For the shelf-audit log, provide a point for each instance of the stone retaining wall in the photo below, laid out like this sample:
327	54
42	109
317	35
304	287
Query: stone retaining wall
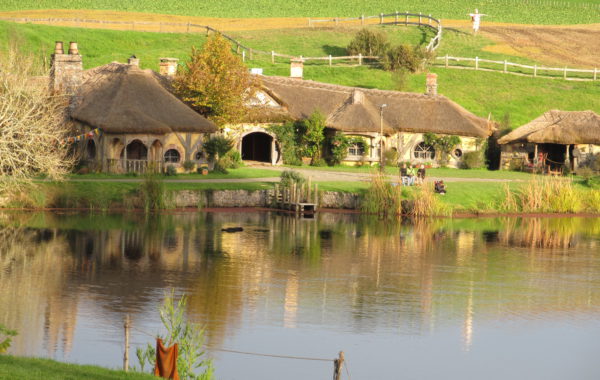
254	198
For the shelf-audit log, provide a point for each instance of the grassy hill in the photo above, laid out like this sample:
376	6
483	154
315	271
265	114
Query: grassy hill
516	11
523	98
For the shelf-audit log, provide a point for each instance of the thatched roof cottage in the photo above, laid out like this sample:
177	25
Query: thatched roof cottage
554	139
359	112
127	117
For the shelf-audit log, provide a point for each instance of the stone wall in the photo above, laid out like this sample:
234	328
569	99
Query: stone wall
255	198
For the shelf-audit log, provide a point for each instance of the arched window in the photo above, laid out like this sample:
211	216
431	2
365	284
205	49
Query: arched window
424	152
172	155
356	149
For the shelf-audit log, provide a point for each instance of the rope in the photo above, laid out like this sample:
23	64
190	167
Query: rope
270	355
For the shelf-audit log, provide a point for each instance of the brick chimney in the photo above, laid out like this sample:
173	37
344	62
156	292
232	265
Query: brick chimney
66	69
431	85
297	68
168	66
133	61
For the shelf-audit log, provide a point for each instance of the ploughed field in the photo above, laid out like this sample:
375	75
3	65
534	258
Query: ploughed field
515	11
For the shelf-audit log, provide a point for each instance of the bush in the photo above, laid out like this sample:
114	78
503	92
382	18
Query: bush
338	148
472	160
401	57
171	170
6	340
218	168
189	165
288	177
231	160
217	146
288	139
318	162
368	42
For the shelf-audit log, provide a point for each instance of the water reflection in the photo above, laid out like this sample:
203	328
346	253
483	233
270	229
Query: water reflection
346	275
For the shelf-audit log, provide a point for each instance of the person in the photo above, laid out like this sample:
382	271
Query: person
476	19
404	174
412	174
439	187
421	174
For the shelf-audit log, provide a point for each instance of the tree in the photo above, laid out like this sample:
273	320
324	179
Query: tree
368	42
312	135
215	82
33	127
402	57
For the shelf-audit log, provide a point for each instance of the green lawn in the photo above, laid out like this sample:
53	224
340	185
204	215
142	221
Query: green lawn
12	367
543	12
243	172
483	93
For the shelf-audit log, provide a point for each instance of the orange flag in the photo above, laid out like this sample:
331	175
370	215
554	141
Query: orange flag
166	361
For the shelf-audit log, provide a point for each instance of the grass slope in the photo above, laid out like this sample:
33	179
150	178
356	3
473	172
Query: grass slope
519	11
482	93
12	367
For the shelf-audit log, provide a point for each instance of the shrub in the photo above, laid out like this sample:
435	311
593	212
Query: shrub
288	139
472	160
6	339
368	42
288	177
312	136
189	165
217	146
231	160
171	170
218	168
338	148
401	57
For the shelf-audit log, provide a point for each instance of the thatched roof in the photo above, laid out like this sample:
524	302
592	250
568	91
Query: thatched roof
120	98
558	127
405	112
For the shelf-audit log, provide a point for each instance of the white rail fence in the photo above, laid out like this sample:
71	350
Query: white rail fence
518	69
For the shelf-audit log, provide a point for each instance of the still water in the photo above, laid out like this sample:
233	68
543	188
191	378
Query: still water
439	299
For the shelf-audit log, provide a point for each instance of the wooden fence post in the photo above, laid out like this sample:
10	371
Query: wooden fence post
420	18
362	20
505	66
476	63
337	366
565	73
429	20
446	60
309	22
595	73
360	59
126	353
272	56
243	55
381	18
406	19
330	62
534	71
396	18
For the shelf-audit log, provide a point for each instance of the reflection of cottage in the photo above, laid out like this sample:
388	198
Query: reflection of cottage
357	112
141	122
555	139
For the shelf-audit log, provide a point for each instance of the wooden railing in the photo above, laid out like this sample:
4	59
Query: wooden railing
518	69
135	166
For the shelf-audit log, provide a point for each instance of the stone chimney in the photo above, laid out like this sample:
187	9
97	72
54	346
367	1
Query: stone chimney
133	61
66	70
358	97
168	66
296	68
431	85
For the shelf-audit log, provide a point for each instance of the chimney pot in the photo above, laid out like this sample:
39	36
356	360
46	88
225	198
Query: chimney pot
73	48
168	66
431	84
133	61
296	68
357	97
58	47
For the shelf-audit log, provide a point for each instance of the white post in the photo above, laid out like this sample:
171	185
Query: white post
272	56
360	59
565	74
429	19
420	18
505	66
476	63
595	73
381	18
309	22
396	19
406	18
330	62
362	20
534	71
243	55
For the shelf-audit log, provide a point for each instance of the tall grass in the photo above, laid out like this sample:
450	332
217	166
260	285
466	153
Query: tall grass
153	193
382	198
427	203
550	195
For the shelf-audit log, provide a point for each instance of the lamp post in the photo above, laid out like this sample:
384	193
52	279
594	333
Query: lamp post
381	162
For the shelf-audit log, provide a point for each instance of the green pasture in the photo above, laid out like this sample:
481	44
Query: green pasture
483	93
516	11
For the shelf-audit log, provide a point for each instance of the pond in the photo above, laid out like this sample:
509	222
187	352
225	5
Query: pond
486	298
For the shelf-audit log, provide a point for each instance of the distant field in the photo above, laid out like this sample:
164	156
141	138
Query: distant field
482	93
515	11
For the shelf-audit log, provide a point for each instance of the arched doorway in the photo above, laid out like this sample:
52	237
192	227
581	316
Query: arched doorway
257	146
156	151
136	150
90	150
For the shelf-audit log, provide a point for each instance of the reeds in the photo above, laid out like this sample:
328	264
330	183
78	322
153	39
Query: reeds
427	203
550	195
382	197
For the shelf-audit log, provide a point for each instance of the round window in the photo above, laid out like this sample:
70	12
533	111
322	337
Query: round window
458	153
172	155
424	152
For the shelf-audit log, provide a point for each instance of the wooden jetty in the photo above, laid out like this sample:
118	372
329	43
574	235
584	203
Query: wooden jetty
301	199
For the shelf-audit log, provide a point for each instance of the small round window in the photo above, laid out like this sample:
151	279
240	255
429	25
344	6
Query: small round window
172	155
458	153
199	155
